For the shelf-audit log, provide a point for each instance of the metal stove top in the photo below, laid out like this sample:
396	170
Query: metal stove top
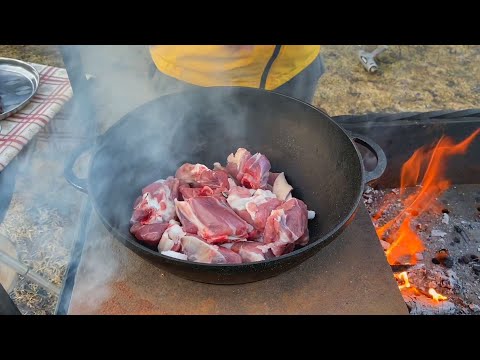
349	276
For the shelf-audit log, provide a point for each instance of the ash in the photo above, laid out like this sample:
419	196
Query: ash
450	263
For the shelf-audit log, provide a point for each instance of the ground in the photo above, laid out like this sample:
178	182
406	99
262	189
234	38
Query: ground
411	78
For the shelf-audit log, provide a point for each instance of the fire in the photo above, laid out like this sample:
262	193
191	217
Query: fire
404	277
436	296
405	243
405	246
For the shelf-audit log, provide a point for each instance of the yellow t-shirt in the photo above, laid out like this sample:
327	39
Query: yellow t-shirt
230	65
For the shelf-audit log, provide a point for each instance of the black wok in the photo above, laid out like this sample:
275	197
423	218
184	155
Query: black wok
205	125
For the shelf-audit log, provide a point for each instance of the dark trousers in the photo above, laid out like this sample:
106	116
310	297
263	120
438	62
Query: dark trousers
302	86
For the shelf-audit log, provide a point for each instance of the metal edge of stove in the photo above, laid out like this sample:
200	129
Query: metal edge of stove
7	186
66	292
399	135
30	73
444	116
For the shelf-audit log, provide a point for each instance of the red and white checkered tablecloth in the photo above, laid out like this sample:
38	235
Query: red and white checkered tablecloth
53	92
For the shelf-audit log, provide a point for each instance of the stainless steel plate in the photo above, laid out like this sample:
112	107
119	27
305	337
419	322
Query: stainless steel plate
18	83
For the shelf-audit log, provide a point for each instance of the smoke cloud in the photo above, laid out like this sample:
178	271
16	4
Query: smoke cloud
121	80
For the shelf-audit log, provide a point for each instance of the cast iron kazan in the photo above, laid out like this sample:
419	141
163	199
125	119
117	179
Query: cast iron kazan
205	125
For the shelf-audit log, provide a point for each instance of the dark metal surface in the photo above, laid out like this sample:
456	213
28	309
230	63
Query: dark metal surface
409	116
399	135
7	306
381	159
69	173
18	83
75	257
204	125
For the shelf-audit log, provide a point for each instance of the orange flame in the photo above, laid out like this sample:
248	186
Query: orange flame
436	296
405	243
407	286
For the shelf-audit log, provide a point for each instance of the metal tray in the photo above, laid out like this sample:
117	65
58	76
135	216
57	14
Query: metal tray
18	83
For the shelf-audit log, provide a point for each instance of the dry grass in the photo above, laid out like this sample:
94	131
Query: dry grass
41	54
410	78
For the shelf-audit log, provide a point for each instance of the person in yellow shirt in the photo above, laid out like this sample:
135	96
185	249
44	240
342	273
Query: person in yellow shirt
293	70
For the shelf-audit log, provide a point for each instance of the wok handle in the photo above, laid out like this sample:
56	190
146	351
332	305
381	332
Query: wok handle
68	173
377	151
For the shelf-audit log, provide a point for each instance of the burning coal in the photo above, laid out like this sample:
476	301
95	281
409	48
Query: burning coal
418	198
436	296
405	284
403	277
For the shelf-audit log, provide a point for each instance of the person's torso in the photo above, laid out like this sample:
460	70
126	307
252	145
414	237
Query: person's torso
220	65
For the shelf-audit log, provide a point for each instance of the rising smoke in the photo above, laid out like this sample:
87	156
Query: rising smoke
122	81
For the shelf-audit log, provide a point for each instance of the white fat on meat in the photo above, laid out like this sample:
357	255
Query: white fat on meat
311	214
231	183
174	254
254	206
235	162
259	197
249	256
218	166
160	202
159	214
284	235
238	197
190	173
171	237
239	157
198	250
234	241
249	251
281	188
239	201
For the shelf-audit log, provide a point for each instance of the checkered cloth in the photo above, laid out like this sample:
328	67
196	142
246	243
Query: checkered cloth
18	129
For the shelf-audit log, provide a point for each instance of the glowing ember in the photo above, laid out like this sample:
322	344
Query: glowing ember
405	284
404	277
405	243
436	296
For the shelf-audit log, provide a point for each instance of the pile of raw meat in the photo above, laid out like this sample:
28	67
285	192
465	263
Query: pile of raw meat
234	214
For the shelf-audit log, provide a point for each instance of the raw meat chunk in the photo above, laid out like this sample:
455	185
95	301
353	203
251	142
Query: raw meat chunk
285	226
171	237
157	202
198	250
250	251
254	206
199	176
251	171
211	219
149	234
